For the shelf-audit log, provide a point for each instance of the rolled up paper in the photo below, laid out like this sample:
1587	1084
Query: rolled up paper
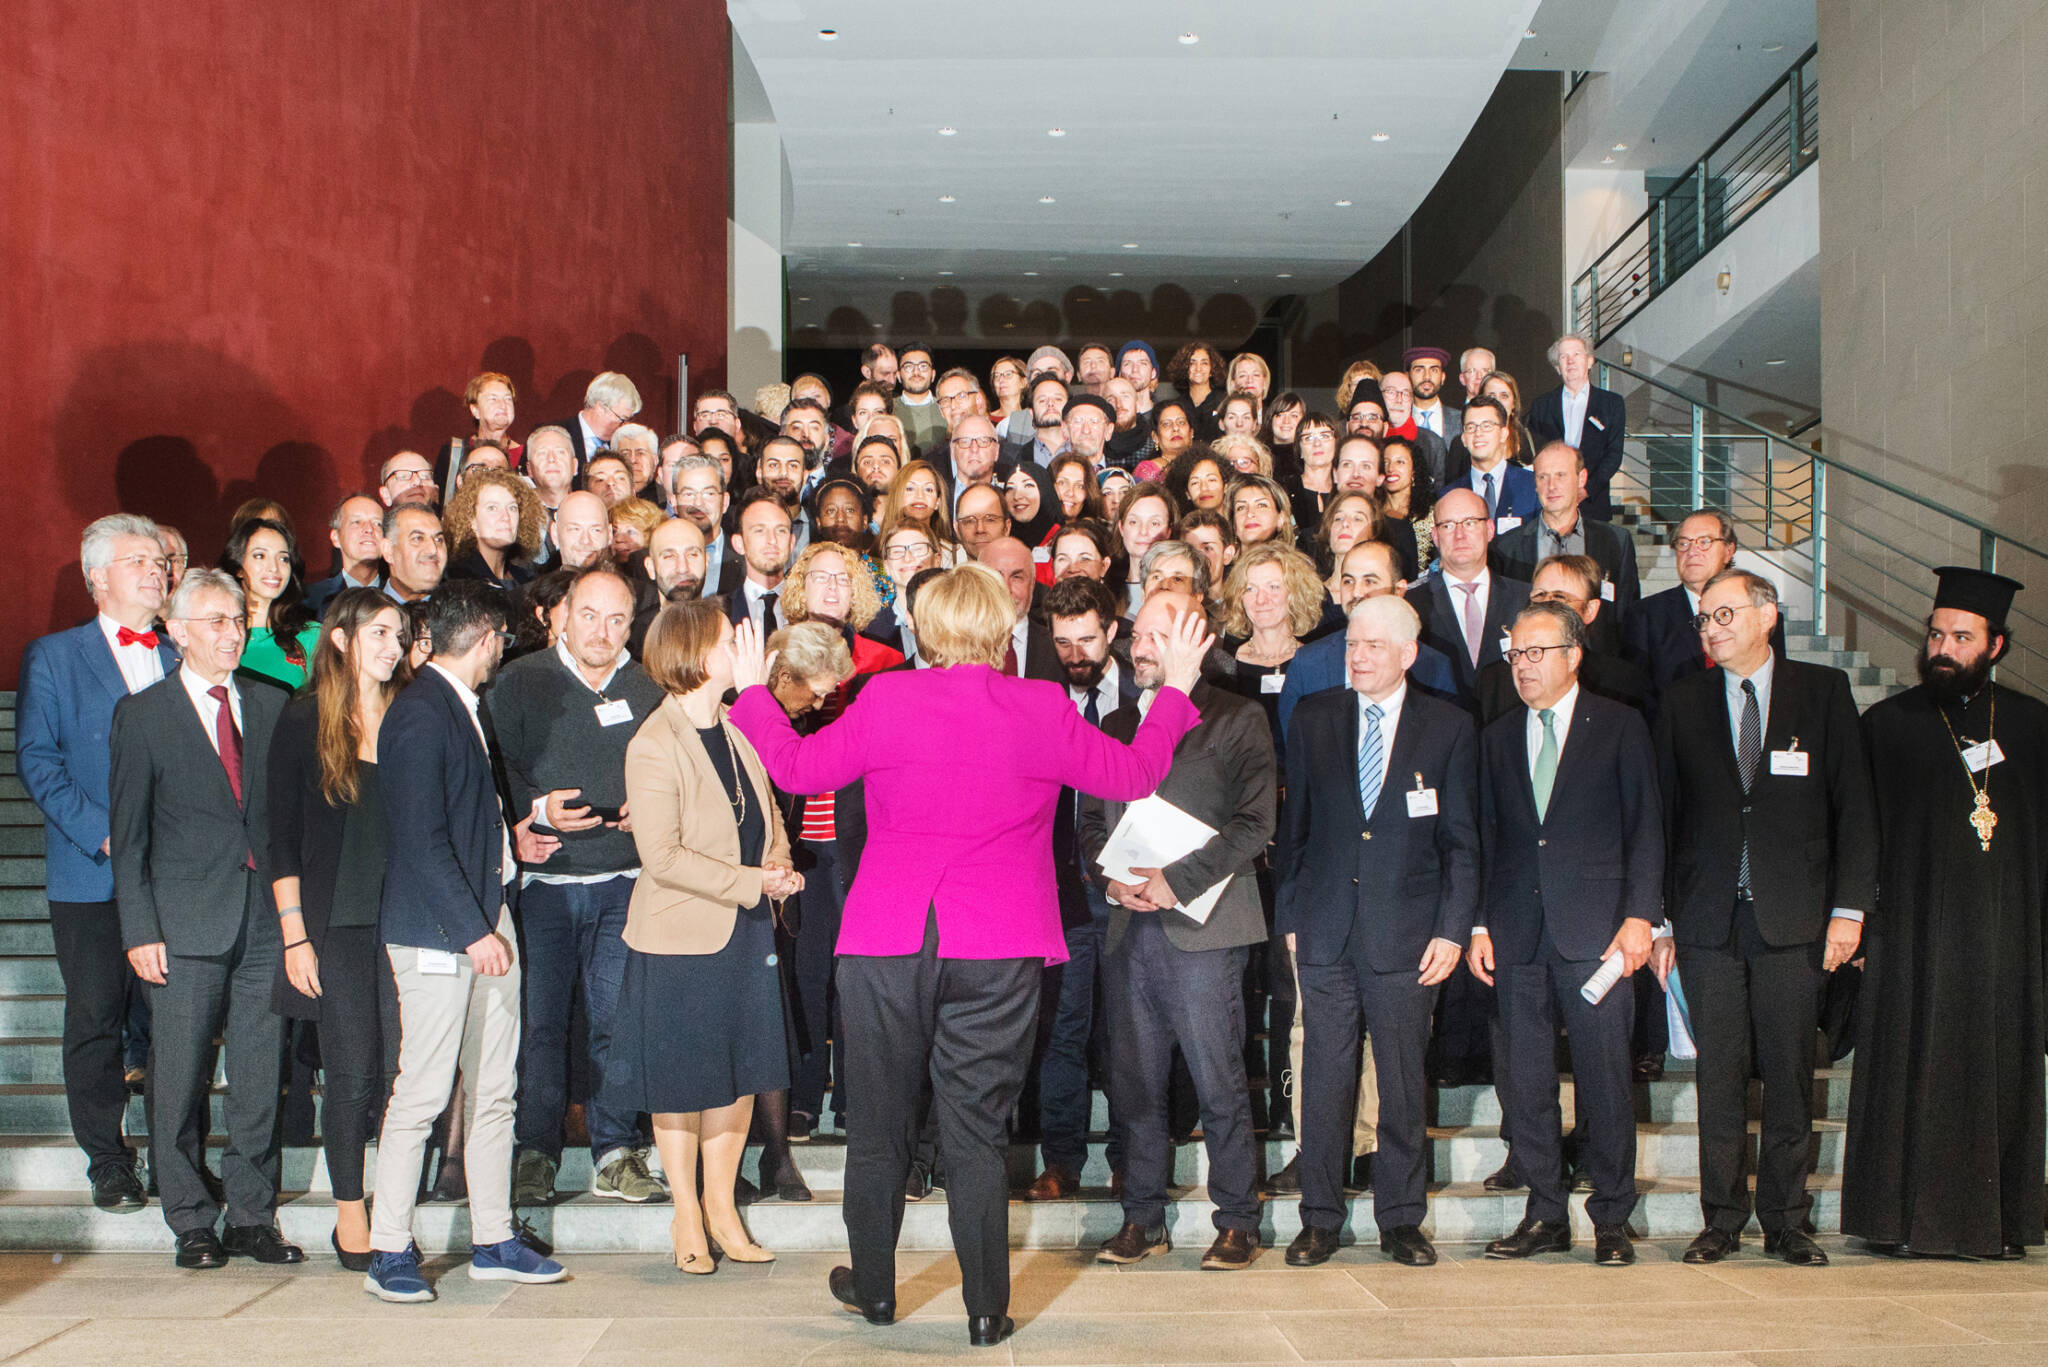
1597	986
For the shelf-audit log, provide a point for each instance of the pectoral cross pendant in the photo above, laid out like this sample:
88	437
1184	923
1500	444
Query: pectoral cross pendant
1983	820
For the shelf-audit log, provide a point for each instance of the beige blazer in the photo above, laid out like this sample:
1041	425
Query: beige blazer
691	883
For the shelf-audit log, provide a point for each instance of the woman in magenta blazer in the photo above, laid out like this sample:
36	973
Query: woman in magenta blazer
953	914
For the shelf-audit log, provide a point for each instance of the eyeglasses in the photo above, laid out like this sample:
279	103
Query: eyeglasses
1462	524
408	476
1483	425
974	443
909	366
982	520
224	623
1693	543
1533	654
908	550
146	562
1721	616
825	578
508	639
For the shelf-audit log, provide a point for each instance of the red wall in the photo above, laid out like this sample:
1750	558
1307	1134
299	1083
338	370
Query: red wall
259	246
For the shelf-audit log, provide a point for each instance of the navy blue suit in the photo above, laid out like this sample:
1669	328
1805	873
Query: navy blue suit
1600	443
1558	887
1320	665
1443	627
1514	492
1659	636
444	821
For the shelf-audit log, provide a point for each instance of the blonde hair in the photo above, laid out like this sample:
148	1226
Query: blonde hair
638	513
770	400
1262	455
1265	371
1305	589
1347	386
810	650
964	617
862	605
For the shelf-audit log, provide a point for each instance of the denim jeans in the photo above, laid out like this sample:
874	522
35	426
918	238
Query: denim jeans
1072	1018
570	934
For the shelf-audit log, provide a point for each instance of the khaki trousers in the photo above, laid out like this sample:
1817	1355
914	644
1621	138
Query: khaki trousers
1365	1121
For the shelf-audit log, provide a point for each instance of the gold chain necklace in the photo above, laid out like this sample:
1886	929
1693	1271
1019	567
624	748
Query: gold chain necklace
1982	819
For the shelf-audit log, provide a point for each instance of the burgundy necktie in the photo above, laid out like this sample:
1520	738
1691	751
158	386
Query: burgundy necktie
1010	659
230	737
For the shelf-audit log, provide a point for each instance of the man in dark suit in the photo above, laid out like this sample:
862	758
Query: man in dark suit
1031	653
1590	420
1659	635
1081	620
1176	978
1561	529
609	400
355	530
1508	490
447	925
1376	924
189	759
1574	840
1773	824
1575	581
1369	569
762	550
1464	607
70	684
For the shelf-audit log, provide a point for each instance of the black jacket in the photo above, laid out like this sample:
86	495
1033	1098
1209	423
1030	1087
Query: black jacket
1517	553
444	821
1600	443
1443	628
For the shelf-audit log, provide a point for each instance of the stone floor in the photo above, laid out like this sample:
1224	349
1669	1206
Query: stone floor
128	1309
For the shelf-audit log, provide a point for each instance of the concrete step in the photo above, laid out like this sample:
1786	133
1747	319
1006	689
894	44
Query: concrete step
25	904
32	1014
1670	1101
10	787
19	811
29	974
21	840
21	870
26	937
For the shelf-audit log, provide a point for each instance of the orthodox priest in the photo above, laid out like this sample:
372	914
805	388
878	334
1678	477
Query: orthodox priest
1946	1129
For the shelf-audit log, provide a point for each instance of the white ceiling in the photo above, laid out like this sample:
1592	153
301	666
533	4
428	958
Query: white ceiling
1222	160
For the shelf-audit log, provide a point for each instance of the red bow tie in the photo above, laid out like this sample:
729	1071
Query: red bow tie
128	637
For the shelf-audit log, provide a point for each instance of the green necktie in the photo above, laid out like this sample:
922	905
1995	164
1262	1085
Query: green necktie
1546	763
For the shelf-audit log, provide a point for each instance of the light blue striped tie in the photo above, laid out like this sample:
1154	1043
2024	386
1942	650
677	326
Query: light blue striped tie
1369	765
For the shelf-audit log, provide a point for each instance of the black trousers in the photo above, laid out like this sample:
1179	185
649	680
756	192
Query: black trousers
228	995
358	1049
1337	1000
1534	998
1160	996
1747	996
94	966
965	1026
819	908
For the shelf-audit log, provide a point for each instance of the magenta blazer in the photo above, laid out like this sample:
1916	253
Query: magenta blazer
964	768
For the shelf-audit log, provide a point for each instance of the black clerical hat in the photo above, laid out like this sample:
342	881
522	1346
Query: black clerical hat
1980	591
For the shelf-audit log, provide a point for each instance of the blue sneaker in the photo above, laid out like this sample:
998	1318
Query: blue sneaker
512	1261
396	1277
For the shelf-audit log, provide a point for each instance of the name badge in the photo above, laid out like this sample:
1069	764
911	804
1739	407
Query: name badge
1982	757
1272	683
1041	555
1421	801
1596	422
1791	762
1506	524
1607	589
439	963
613	712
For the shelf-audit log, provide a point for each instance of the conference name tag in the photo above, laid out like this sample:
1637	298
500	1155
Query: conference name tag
1041	555
1607	589
1421	802
1505	524
613	712
1792	762
1596	422
438	963
1982	757
1273	683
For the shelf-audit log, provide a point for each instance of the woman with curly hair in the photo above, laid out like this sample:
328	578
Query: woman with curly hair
1272	599
1196	370
1408	496
1200	479
1173	434
919	491
633	523
263	556
494	526
1243	454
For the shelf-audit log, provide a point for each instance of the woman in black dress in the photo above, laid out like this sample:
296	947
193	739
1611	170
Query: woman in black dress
327	851
700	1026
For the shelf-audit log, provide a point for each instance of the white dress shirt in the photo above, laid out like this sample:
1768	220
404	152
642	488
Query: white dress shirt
1431	418
1560	725
592	443
1482	599
1476	482
754	592
1390	718
1761	681
1020	640
1107	692
1575	414
509	868
209	709
140	665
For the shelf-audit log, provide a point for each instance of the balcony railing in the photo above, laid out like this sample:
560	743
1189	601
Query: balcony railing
1763	152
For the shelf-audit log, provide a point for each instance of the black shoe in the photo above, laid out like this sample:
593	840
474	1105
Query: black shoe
1578	1179
1408	1244
1711	1245
1531	1237
212	1182
1361	1176
2012	1252
200	1249
1796	1247
1885	1248
115	1187
875	1312
1507	1177
918	1184
1133	1243
1287	1181
1612	1246
744	1193
986	1331
1312	1247
1650	1068
353	1262
263	1243
790	1186
1233	1251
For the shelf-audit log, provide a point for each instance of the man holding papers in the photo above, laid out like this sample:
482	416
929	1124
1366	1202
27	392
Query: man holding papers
1773	863
1379	879
1180	928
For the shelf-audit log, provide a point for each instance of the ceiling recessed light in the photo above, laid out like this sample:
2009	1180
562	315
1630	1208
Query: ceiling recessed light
948	131
1607	161
1129	246
1621	147
1284	275
945	199
1055	132
1047	199
1190	39
1115	275
1528	33
945	272
803	298
1773	47
1343	203
853	244
1031	272
1381	137
829	34
1774	360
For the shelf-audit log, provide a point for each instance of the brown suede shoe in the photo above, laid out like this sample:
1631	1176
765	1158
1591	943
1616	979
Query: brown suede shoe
1054	1184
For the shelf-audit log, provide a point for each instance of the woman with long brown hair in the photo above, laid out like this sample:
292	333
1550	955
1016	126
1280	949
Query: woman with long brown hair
919	491
327	855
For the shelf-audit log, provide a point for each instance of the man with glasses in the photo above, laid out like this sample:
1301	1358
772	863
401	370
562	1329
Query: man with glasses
1397	394
610	400
980	518
1465	607
916	407
716	409
1659	635
1508	490
177	555
1573	888
1562	529
972	452
70	683
1474	365
701	499
1590	420
408	477
190	836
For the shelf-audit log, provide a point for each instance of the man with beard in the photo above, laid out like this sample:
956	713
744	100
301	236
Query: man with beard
805	422
763	544
1089	421
1397	394
1946	1128
878	367
782	467
701	499
1426	366
1083	619
1048	408
917	407
675	562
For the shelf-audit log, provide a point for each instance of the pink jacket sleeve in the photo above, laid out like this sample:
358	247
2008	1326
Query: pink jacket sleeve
1095	764
822	762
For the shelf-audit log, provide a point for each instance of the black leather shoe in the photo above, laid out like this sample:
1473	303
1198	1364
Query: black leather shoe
1711	1245
2012	1251
1531	1237
1361	1176
1650	1068
1884	1248
1612	1246
352	1262
917	1183
1507	1177
200	1249
986	1331
1407	1244
1312	1247
1233	1251
263	1243
1287	1181
1796	1247
874	1312
117	1188
1133	1243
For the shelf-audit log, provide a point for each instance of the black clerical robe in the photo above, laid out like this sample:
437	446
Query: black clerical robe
1946	1122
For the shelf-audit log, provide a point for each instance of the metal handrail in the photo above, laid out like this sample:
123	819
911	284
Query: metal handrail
1610	292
